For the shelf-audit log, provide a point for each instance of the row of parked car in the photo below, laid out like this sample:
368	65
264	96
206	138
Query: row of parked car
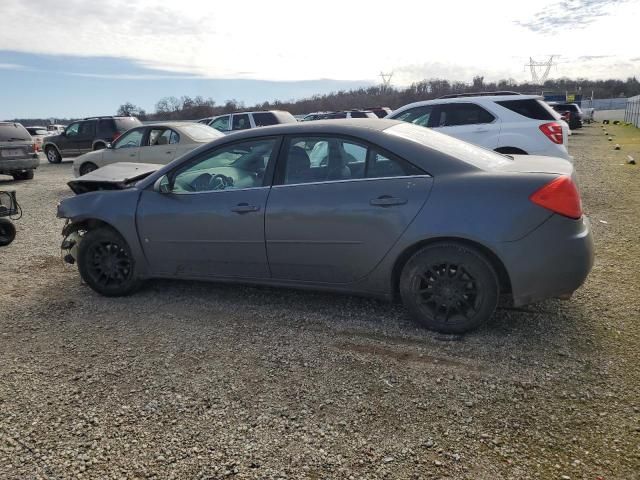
506	122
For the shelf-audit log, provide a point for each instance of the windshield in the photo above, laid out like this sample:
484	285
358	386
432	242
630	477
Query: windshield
201	133
476	156
13	132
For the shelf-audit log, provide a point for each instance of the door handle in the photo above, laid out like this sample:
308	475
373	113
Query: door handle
387	201
481	129
132	154
245	208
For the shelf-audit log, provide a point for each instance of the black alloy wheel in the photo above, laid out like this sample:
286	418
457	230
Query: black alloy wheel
449	288
106	264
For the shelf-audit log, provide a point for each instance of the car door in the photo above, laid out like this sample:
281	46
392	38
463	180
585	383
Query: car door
467	121
159	146
206	217
66	142
82	142
334	220
126	148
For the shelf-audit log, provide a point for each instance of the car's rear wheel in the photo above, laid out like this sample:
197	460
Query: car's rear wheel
106	264
53	156
99	146
7	232
449	288
26	175
87	167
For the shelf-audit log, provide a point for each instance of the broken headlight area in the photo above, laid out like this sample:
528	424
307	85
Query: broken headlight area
72	234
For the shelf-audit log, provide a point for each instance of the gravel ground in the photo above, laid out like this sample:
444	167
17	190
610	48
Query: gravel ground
193	380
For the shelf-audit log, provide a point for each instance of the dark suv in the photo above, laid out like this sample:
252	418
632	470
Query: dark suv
575	113
18	156
86	135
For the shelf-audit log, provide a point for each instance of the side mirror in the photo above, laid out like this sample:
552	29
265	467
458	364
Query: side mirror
162	185
63	133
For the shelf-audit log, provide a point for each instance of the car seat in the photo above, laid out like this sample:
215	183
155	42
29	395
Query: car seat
298	165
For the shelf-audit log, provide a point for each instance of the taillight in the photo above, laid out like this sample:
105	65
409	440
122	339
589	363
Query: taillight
560	196
115	136
553	131
34	148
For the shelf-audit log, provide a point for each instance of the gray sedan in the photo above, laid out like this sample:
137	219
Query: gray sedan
392	210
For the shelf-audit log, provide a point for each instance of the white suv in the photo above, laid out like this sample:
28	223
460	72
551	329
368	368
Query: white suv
506	122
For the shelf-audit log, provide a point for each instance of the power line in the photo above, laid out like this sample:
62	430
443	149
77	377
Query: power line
537	78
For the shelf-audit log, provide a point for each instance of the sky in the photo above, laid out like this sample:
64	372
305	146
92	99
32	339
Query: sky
78	58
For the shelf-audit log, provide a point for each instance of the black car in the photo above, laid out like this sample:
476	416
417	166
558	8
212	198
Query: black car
575	113
86	135
380	112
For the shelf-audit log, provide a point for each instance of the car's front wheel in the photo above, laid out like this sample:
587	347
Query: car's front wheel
87	167
105	262
449	288
52	155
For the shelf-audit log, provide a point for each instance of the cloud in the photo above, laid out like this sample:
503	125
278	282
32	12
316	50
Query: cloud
12	66
593	57
570	14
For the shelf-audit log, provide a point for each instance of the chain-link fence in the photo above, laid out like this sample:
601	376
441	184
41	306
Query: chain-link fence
632	111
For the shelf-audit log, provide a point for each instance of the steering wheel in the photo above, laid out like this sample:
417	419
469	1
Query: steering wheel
220	182
201	182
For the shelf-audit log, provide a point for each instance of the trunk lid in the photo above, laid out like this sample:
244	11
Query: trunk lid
537	164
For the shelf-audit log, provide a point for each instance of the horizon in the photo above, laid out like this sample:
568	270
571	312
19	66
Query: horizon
92	60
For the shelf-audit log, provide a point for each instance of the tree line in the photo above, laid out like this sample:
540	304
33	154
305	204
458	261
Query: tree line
192	108
187	108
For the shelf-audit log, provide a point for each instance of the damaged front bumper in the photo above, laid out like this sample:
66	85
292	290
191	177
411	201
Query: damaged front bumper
72	236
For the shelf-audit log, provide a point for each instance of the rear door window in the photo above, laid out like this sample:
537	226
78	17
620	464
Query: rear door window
456	114
87	129
530	108
240	122
263	119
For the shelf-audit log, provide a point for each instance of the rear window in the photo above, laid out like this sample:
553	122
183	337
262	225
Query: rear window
264	119
125	123
569	107
13	132
36	131
476	156
201	133
530	108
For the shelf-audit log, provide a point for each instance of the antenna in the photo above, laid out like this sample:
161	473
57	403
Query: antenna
536	78
386	79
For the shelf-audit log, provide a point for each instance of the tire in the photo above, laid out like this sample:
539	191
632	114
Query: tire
449	288
99	146
106	264
7	232
27	175
53	156
87	167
